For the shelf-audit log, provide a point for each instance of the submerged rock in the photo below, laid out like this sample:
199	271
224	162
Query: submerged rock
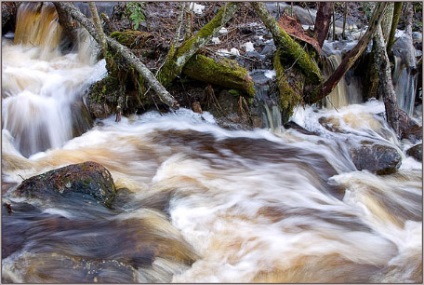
416	152
376	158
89	179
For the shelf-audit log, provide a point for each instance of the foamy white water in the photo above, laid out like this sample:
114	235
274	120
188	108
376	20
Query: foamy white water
196	202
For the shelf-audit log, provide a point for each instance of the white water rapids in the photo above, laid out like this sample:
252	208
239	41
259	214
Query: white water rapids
204	204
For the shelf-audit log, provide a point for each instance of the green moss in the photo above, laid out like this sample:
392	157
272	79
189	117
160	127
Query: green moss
226	73
177	59
130	38
289	98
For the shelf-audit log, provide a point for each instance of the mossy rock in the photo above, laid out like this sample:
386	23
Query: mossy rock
87	181
103	97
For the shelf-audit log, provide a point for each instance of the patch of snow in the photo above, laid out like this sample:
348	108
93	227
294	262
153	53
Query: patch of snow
399	33
235	51
197	8
223	31
215	40
225	52
248	46
270	74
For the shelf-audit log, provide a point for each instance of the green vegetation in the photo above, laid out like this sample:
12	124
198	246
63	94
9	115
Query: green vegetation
135	13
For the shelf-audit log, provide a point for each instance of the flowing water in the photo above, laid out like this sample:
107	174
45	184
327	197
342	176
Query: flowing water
198	203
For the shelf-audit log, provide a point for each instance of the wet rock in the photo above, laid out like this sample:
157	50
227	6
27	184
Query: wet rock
416	152
413	132
89	179
81	118
376	158
8	16
293	125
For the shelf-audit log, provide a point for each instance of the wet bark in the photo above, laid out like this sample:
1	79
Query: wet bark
126	53
322	22
179	56
314	94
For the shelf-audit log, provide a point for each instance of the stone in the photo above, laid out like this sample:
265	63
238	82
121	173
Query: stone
89	179
416	152
376	158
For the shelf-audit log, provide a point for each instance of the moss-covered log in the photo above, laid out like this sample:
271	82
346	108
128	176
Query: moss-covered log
290	48
289	98
131	39
179	56
226	73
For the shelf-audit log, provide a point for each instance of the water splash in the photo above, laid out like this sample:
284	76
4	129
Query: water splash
41	87
244	199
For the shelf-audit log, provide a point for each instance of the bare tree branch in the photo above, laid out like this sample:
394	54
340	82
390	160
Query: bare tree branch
126	53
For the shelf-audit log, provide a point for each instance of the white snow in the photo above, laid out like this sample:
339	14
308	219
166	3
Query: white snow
270	74
248	46
215	40
223	31
225	52
197	8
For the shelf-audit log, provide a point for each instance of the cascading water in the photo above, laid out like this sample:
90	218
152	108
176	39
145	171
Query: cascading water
198	203
404	79
41	87
344	93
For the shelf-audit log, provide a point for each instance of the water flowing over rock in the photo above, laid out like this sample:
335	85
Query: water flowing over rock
85	179
377	158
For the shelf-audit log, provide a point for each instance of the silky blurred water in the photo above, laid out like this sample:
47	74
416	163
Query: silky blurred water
196	202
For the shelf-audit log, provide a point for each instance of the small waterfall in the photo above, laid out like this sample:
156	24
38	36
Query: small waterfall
37	25
42	88
404	76
338	97
346	92
271	113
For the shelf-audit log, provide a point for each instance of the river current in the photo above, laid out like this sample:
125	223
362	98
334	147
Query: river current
196	202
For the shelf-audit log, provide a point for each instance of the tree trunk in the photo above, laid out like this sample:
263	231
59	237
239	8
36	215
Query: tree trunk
290	48
322	22
178	57
396	15
386	22
126	53
396	117
344	20
313	94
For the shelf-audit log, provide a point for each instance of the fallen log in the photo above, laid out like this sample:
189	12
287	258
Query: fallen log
123	51
225	73
178	56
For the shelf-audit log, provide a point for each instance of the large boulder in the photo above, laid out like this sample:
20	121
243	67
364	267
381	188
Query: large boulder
377	158
88	180
416	152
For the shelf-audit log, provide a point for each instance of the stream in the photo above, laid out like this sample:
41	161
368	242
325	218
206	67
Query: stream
198	203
